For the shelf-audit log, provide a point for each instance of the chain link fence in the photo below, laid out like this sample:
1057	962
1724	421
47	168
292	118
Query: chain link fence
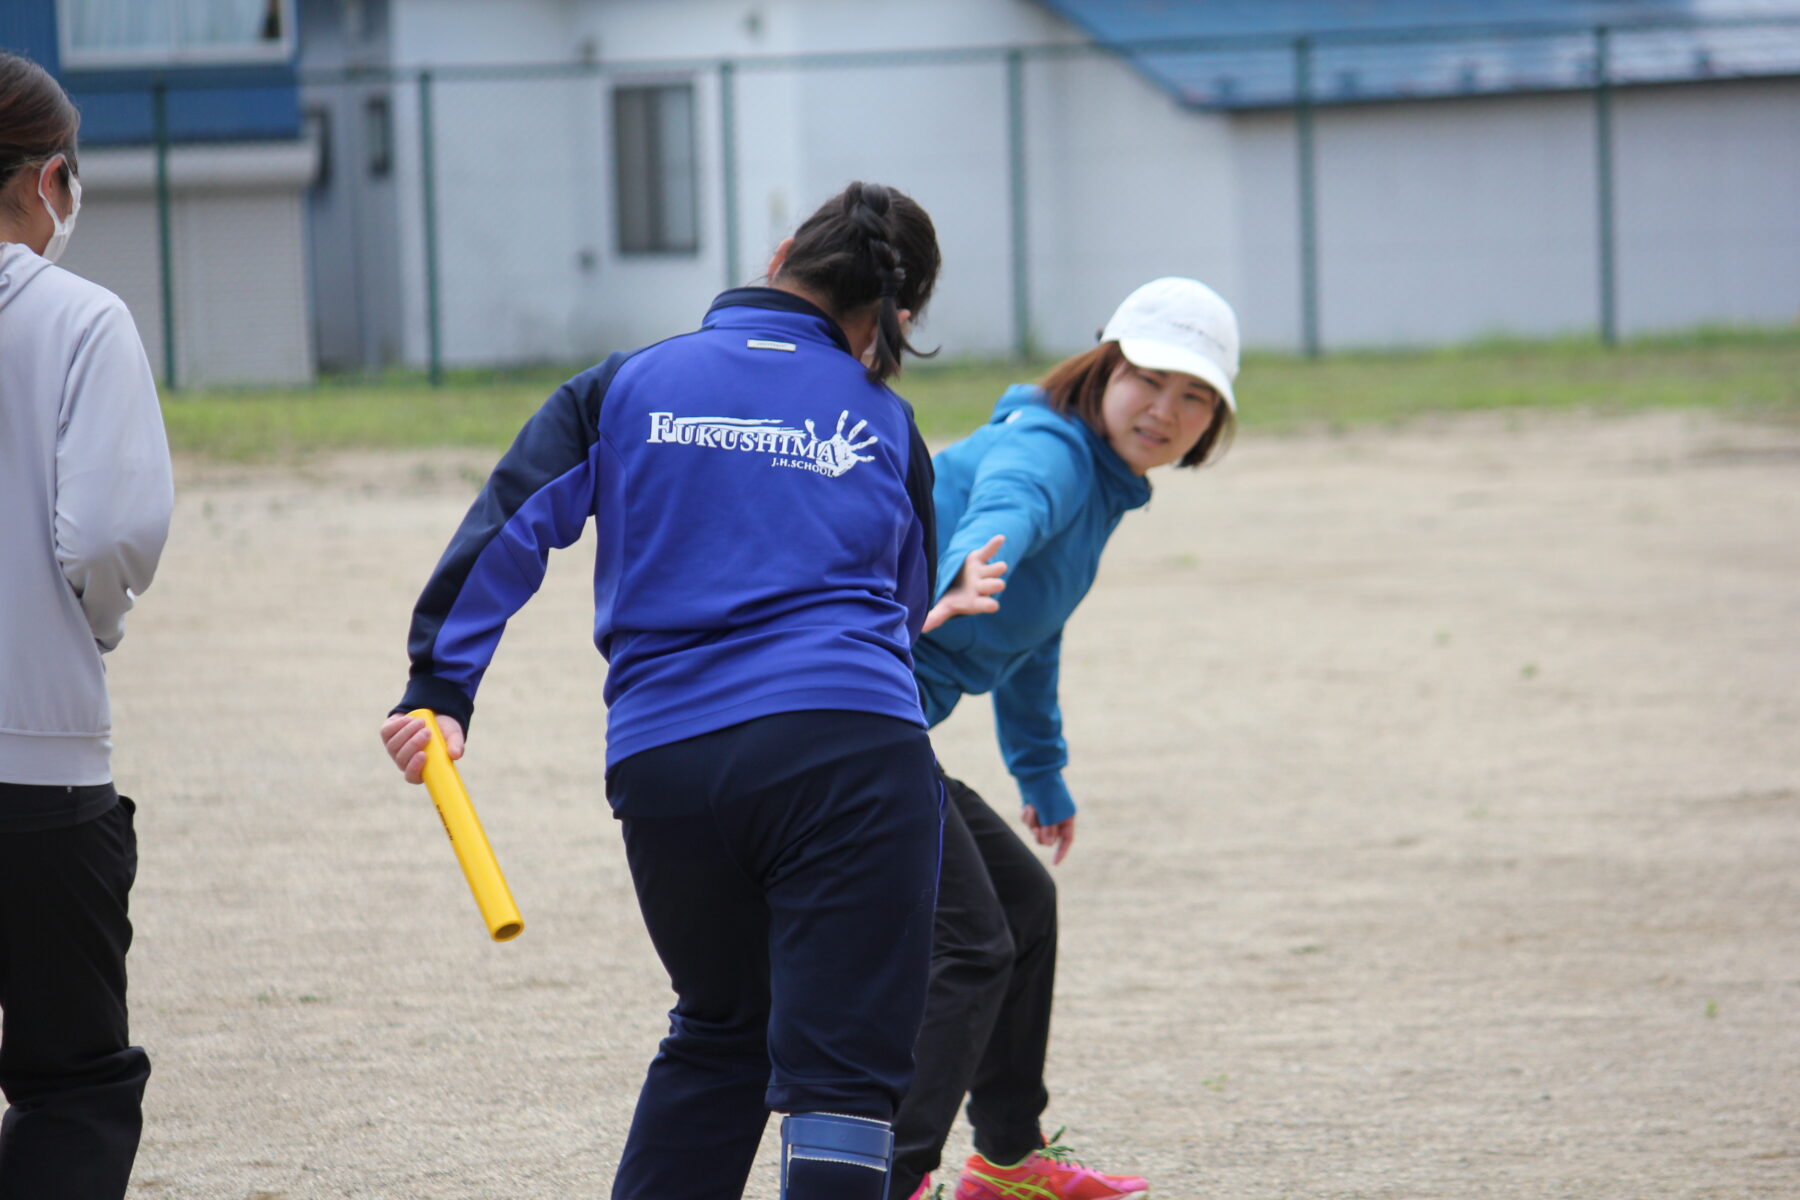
1414	186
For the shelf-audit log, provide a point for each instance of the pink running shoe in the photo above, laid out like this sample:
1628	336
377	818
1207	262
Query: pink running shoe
1049	1174
924	1189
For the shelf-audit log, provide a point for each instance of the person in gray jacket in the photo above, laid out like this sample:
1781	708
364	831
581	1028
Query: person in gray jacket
85	500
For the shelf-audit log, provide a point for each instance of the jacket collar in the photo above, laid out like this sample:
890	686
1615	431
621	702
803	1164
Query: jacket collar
775	300
1122	490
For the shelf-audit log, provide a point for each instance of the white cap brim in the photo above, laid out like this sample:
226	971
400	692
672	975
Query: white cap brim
1161	356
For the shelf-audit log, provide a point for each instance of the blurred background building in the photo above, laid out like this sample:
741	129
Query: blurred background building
212	228
355	184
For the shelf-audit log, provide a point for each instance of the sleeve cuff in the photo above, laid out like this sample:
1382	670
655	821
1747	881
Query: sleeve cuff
1049	797
440	696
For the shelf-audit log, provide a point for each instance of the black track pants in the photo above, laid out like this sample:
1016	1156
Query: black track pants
73	1084
987	1014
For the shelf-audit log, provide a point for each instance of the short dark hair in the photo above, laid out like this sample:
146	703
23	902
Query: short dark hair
1078	385
37	119
866	244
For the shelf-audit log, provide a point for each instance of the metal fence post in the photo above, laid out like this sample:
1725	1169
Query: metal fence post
728	166
1021	241
1603	177
159	107
1309	201
428	199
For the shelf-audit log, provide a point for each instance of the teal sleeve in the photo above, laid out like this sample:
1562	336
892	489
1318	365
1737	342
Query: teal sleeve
1029	722
1027	489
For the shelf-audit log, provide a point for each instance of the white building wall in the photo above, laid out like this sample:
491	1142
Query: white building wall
116	245
529	262
1449	220
937	133
772	196
1708	187
353	226
643	298
236	227
1267	195
1125	187
509	221
1438	221
240	288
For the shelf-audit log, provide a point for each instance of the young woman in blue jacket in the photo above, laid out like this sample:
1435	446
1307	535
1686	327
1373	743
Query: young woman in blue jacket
1044	483
762	504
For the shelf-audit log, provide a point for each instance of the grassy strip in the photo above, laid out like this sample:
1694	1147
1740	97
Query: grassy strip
1757	374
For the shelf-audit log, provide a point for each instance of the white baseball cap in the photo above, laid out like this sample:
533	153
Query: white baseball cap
1177	324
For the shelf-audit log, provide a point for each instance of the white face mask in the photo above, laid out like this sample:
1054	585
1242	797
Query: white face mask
64	225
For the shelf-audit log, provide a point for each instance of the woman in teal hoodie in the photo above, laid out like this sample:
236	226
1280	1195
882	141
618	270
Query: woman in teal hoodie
1044	484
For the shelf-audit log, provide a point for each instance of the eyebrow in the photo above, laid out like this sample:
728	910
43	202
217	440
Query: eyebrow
1200	387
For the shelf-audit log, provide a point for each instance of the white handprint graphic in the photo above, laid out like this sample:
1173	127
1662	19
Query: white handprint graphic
838	454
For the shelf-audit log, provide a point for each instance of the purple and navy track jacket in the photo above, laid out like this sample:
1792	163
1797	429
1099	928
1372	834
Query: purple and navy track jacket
765	525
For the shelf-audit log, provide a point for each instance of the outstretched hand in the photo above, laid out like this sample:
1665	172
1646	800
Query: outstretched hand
405	739
1061	835
977	583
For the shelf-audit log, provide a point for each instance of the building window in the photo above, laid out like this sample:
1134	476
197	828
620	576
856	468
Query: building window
654	171
378	134
108	33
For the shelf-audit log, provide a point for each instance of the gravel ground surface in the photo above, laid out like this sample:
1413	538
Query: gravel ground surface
1441	814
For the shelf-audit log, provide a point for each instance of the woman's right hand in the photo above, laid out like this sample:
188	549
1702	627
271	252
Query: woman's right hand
975	588
1061	835
405	739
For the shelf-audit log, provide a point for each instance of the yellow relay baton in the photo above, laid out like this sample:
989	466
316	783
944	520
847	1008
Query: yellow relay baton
472	850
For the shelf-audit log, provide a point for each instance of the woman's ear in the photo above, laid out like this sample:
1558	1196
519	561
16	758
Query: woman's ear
54	185
779	260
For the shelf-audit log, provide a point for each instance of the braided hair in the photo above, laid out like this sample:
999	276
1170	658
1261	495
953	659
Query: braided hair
869	244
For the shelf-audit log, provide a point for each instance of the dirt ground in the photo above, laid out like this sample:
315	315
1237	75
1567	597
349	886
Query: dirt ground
1440	835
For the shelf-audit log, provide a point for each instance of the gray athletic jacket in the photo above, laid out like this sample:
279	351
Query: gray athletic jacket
85	499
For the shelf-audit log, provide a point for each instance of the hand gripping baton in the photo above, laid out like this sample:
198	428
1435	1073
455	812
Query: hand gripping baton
472	850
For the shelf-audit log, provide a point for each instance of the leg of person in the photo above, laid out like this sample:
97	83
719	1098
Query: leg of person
715	826
74	1085
1007	1095
848	854
971	962
700	1114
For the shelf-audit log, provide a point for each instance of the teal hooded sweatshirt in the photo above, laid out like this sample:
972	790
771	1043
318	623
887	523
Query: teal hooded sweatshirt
1056	491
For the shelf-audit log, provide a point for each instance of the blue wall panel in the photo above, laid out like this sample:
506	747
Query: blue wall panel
28	27
206	104
242	104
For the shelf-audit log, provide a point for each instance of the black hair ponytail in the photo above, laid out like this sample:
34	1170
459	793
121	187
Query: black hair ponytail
870	244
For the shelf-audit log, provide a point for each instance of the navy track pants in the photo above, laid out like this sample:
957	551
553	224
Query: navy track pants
787	871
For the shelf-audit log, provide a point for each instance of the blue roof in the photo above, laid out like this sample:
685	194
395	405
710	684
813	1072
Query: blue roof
1241	53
